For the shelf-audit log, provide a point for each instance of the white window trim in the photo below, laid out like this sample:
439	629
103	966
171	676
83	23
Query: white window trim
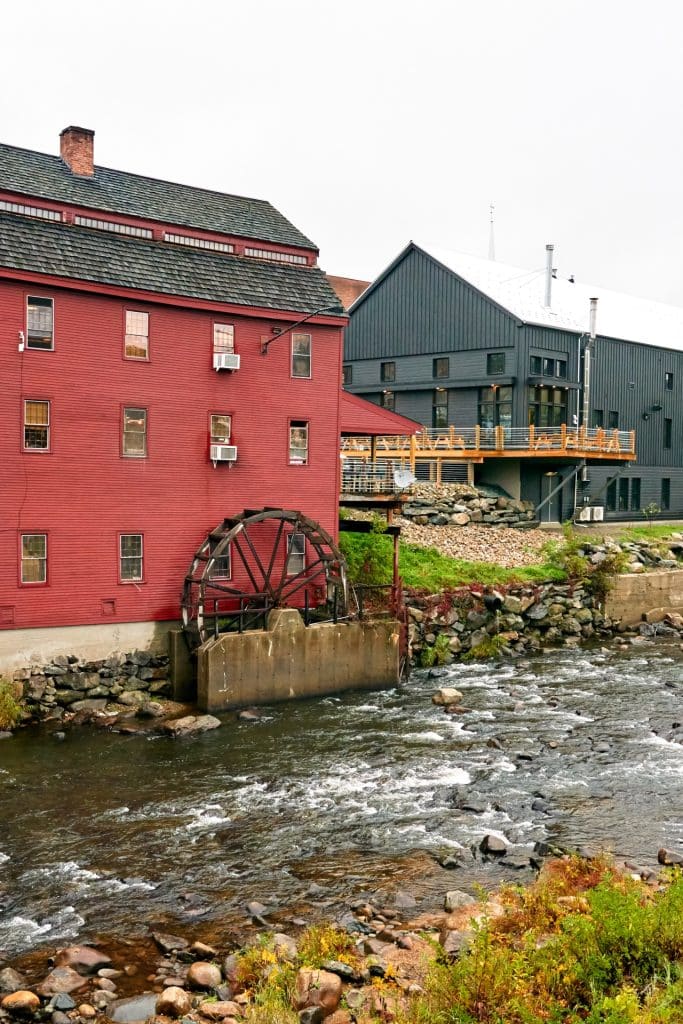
33	583
295	554
297	425
133	455
48	425
141	556
126	335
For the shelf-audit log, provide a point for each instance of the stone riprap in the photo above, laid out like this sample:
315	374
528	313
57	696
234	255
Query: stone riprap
529	618
460	505
69	684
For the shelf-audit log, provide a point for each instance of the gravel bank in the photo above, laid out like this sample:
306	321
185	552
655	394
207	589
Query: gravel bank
507	547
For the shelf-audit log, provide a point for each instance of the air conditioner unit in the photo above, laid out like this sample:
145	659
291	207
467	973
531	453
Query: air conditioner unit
598	513
223	453
226	361
584	515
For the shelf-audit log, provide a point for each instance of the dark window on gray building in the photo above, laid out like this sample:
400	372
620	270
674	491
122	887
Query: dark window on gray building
669	381
388	400
598	418
612	497
667	433
440	408
635	493
347	374
387	371
495	407
441	367
547	407
495	363
561	369
536	365
665	500
612	419
623	494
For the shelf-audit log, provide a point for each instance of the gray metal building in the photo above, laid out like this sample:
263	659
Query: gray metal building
448	339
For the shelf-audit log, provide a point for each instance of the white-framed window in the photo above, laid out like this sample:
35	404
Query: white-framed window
296	553
298	442
130	557
220	428
36	425
222	566
277	257
134	435
34	558
301	355
137	335
39	323
223	338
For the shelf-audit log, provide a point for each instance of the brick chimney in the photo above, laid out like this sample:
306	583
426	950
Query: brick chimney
76	148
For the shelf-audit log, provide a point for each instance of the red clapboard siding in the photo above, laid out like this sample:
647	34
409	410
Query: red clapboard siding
83	493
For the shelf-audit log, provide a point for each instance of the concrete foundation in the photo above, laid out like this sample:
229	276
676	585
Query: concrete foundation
21	647
289	660
638	593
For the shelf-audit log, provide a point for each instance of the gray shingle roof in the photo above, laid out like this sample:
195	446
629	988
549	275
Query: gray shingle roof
64	251
39	174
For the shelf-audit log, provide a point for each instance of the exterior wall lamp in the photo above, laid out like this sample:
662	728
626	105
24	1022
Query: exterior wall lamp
279	332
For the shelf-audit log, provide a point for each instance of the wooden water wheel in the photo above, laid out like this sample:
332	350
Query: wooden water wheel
260	560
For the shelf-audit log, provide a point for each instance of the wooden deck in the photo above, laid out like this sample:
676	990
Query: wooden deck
475	444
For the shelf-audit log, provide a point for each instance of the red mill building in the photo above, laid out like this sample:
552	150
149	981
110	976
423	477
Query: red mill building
169	356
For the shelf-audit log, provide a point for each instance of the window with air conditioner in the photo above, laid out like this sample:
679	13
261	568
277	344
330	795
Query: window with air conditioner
220	432
224	355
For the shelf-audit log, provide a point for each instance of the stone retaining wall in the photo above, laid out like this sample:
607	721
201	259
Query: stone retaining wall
529	618
68	683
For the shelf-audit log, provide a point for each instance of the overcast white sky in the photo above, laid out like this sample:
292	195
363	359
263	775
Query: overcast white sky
371	123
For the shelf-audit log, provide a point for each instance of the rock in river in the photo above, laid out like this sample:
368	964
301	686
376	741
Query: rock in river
190	725
203	975
21	1003
174	1002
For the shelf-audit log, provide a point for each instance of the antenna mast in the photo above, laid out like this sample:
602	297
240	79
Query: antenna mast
492	244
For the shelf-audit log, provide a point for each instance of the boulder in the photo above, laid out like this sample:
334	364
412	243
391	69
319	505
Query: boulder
61	979
11	980
168	943
219	1010
203	975
493	845
455	898
190	725
669	858
83	959
174	1002
446	695
21	1003
317	989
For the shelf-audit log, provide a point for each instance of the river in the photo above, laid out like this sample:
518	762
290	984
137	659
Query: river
323	801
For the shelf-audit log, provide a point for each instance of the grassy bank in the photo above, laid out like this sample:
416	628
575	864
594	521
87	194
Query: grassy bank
583	945
369	560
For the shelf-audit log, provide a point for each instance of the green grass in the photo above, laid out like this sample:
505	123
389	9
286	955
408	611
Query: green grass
648	533
428	569
10	709
369	561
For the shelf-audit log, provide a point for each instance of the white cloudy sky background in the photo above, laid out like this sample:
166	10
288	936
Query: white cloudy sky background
369	124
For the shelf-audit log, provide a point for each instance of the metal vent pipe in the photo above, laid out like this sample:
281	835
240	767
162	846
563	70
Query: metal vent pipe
548	273
587	356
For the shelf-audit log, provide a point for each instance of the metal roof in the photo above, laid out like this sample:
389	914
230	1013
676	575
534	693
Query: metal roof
361	418
521	292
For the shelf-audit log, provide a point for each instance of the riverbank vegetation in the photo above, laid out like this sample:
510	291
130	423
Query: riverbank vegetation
583	945
10	709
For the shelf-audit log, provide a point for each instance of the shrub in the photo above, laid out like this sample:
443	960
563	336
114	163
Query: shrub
10	709
490	647
436	655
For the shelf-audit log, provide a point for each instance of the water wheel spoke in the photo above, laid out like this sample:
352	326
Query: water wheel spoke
252	548
236	544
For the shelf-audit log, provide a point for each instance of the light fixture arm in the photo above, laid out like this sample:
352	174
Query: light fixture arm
324	309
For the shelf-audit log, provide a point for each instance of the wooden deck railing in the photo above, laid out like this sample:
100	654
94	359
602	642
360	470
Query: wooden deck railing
475	444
